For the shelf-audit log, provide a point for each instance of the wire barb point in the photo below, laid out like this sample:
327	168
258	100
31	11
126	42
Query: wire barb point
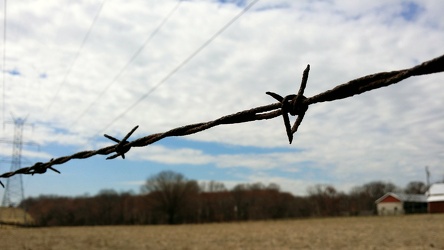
293	105
122	146
41	168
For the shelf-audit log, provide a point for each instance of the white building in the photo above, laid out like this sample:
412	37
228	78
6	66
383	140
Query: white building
398	203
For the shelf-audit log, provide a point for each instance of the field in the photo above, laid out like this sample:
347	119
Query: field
397	232
11	215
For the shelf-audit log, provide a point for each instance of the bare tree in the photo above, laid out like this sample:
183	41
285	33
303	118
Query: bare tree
376	189
415	187
212	186
364	197
325	199
171	194
273	186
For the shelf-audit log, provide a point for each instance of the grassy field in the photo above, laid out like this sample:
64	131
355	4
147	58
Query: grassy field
11	215
398	232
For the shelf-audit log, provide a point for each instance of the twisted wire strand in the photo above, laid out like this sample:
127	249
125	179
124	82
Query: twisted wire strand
351	88
378	80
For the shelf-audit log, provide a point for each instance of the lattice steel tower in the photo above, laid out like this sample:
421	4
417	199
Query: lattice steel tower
14	193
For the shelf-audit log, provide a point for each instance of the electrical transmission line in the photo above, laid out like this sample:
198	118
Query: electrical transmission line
138	51
77	55
183	63
4	60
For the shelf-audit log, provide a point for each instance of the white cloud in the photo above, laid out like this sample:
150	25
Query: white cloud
178	156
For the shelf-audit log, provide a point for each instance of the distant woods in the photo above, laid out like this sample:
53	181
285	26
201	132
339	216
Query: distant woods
170	198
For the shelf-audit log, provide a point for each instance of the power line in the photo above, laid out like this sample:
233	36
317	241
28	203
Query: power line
138	51
4	60
77	55
183	63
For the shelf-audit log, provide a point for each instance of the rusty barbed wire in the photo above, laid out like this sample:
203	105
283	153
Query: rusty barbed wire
293	104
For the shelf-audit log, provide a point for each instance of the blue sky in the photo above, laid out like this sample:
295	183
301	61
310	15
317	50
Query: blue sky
390	134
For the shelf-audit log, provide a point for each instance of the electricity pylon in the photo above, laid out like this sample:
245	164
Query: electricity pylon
14	192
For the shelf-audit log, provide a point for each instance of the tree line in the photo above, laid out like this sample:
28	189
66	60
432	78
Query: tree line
170	198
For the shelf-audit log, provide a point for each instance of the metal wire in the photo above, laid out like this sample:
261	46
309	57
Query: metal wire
183	63
77	55
4	60
293	104
131	60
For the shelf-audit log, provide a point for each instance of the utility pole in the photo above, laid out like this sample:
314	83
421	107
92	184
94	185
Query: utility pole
427	176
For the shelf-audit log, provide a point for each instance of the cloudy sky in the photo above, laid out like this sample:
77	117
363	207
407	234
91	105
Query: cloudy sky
79	69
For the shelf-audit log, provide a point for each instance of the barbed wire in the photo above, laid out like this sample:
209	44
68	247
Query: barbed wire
293	104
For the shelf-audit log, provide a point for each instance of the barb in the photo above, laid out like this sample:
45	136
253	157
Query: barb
291	104
122	146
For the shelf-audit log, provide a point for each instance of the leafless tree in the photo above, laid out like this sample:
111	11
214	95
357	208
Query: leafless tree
364	196
212	186
415	187
171	194
325	199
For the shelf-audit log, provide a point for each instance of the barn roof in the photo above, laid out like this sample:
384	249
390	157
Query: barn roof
436	192
436	189
404	197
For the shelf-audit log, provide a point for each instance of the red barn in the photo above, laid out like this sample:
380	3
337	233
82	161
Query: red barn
435	198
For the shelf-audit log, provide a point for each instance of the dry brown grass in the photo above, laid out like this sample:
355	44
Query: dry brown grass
400	232
11	215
